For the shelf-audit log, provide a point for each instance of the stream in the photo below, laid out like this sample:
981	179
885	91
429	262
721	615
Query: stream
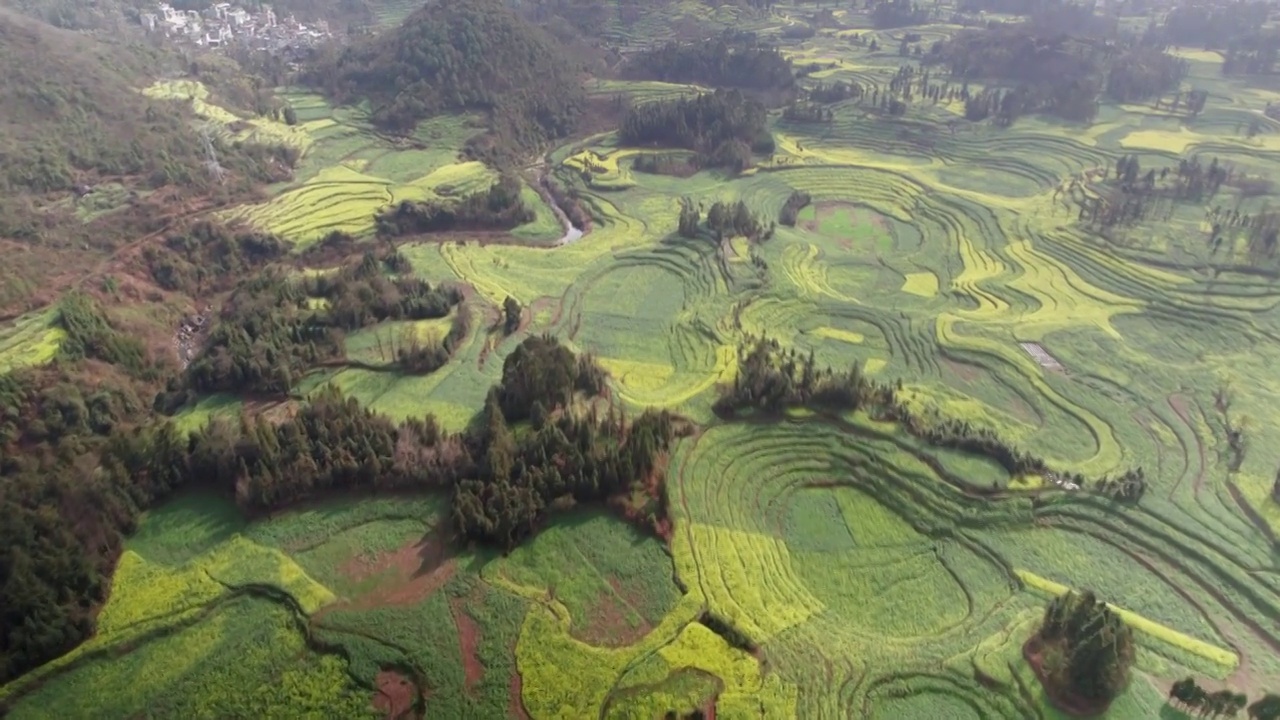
571	232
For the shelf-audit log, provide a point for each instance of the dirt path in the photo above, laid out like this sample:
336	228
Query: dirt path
469	645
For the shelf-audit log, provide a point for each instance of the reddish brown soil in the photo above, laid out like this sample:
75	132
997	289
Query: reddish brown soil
469	642
412	573
1059	697
394	695
607	623
516	709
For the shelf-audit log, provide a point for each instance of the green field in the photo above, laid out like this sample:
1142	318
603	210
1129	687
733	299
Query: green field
867	568
349	172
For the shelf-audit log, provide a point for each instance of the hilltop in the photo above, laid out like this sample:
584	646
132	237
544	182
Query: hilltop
457	56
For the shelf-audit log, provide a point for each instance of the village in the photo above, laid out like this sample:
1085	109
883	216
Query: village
225	24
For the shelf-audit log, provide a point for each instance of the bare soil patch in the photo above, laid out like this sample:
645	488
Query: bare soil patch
410	574
516	709
394	695
469	642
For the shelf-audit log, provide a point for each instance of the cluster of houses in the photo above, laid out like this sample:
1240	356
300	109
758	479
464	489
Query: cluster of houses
224	24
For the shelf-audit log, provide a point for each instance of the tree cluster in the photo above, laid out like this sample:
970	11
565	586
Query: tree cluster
80	461
734	60
1188	693
796	201
542	370
808	112
90	334
1051	72
1238	28
207	257
577	456
726	219
1134	195
690	223
666	164
271	331
1086	649
500	207
1140	73
458	55
725	128
889	14
838	91
770	380
64	513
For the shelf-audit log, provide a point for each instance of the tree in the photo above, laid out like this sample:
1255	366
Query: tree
1265	708
290	115
1093	648
1181	690
511	310
690	218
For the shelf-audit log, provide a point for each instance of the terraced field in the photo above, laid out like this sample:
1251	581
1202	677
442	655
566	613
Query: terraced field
349	172
874	576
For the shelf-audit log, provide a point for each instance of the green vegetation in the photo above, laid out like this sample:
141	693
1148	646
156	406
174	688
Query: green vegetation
272	332
728	62
89	164
456	56
724	128
501	207
1082	652
781	389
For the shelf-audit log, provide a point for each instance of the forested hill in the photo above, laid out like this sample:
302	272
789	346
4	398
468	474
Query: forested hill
83	151
71	106
461	55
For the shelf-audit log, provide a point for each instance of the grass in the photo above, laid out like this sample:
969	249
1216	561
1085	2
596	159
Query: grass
861	562
595	566
32	339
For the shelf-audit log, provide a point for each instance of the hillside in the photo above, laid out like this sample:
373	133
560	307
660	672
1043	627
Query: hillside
72	112
83	150
461	55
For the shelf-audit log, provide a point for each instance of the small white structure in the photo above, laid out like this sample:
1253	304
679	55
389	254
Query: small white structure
1042	356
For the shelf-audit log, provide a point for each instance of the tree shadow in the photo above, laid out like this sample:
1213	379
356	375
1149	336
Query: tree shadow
1169	712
